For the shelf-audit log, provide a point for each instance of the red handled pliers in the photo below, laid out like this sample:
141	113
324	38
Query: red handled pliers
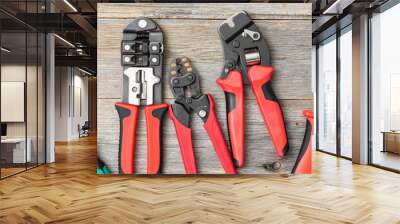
247	61
142	55
184	79
303	162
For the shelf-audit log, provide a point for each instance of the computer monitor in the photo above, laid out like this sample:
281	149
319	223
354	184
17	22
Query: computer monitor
3	129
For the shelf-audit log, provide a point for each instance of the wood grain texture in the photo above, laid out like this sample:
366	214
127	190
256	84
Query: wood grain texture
259	149
289	42
192	33
204	11
69	191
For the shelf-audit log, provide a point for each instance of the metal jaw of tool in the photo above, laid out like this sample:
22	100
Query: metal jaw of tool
185	86
243	45
142	55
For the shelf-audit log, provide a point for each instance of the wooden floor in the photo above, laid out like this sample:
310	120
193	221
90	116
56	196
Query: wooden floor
5	172
69	191
9	171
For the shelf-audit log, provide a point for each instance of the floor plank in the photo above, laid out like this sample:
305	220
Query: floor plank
69	191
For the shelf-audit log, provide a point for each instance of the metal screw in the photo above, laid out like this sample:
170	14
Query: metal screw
256	36
202	113
127	59
127	47
154	60
154	48
142	23
252	34
275	166
134	89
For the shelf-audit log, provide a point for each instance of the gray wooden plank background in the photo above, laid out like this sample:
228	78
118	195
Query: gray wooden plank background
191	30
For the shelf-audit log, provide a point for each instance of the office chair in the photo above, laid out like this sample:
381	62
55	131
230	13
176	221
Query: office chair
84	130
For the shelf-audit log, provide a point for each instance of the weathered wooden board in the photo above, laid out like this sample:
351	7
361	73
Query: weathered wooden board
190	30
207	11
259	148
201	43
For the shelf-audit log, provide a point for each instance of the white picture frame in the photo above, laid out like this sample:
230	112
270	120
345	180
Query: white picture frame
12	101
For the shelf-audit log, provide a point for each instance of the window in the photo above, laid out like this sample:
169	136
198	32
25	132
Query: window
385	89
346	95
327	95
334	103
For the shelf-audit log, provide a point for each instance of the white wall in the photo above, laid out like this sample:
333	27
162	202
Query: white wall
80	110
69	112
15	73
62	81
33	126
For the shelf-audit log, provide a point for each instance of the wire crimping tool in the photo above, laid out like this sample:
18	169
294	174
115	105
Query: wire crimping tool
247	61
303	162
141	55
185	80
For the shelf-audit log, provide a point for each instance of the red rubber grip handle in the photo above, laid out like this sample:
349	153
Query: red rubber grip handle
154	115
128	115
216	135
303	164
260	77
234	94
184	135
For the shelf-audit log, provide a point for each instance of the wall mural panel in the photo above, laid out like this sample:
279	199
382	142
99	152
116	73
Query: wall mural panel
159	64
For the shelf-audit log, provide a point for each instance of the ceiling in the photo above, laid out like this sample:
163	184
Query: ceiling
332	15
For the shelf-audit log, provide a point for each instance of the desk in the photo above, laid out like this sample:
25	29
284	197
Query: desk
16	147
391	141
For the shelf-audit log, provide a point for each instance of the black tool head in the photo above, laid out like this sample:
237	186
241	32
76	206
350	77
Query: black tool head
183	79
142	24
243	44
142	60
185	86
